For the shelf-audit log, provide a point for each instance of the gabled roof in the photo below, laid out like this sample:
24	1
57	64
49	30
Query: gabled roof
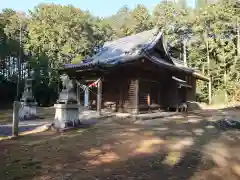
131	48
129	45
121	50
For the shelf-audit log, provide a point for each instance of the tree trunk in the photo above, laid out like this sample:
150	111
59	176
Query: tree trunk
209	74
185	52
238	38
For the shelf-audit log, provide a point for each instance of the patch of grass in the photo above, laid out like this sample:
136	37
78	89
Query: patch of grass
44	113
5	117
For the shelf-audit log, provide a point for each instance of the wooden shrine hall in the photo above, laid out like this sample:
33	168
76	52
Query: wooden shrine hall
134	74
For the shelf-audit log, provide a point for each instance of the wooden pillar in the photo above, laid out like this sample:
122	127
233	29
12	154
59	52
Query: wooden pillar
148	99
78	96
178	96
191	95
99	97
78	84
121	99
137	95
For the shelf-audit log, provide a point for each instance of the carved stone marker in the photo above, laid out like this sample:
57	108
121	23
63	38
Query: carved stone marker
67	108
28	107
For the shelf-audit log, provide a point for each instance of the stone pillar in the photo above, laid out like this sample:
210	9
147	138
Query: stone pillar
66	115
16	106
136	104
86	96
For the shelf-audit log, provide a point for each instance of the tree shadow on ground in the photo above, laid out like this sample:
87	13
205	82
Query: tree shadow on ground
180	148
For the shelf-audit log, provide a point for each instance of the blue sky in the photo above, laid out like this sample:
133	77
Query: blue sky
97	7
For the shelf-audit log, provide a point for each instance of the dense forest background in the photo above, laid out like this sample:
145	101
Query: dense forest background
51	35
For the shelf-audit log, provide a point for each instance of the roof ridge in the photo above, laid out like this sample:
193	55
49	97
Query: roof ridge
132	35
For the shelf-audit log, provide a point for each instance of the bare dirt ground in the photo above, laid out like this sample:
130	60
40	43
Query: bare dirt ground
178	148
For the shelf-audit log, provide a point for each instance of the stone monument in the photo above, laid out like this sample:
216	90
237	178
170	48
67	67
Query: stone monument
67	107
28	109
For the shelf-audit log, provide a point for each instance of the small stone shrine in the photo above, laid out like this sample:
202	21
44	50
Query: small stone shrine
67	107
28	107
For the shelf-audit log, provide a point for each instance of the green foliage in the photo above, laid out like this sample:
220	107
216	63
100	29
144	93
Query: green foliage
52	35
141	19
63	33
126	21
212	25
49	37
77	59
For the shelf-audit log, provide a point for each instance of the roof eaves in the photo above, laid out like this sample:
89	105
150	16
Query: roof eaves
108	63
168	65
79	65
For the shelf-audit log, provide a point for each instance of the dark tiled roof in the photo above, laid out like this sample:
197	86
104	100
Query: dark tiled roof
131	48
162	62
121	50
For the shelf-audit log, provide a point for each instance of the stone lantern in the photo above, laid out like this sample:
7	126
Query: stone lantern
28	103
